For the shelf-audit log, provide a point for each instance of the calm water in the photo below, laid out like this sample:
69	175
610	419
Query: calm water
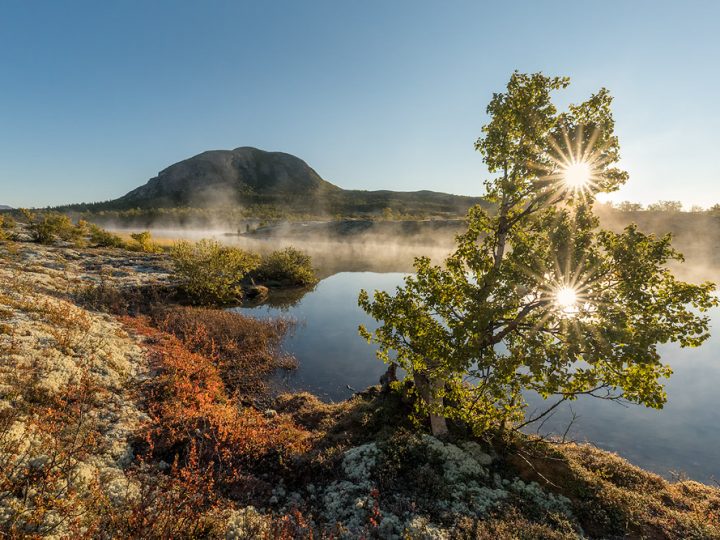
683	437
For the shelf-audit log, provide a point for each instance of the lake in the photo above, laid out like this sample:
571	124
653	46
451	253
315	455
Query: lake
684	437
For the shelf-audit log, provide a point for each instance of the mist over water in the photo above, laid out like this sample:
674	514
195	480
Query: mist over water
330	255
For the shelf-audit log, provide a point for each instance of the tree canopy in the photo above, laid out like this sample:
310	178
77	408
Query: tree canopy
536	296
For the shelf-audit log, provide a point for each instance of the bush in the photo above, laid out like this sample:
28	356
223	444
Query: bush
289	266
7	225
210	272
143	242
48	227
101	238
194	419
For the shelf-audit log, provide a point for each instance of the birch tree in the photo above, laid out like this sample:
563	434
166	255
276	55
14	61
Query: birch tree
536	295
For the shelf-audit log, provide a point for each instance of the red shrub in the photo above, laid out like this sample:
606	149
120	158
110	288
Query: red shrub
190	408
244	349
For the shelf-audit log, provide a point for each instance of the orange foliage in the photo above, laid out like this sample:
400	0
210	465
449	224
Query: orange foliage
180	505
245	349
37	469
190	408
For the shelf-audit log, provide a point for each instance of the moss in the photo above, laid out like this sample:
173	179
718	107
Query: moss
611	497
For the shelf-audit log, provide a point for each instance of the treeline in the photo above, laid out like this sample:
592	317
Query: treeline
662	206
343	204
241	218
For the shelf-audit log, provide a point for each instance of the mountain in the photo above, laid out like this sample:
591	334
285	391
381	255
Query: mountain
5	207
221	177
248	176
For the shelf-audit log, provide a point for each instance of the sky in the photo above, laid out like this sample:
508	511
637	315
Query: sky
98	97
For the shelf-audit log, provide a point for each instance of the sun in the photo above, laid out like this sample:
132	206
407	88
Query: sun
577	175
566	299
574	165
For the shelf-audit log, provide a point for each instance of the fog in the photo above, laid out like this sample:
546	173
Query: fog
391	246
340	246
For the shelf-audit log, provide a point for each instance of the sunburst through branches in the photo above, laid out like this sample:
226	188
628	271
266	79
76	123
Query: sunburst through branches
576	164
566	299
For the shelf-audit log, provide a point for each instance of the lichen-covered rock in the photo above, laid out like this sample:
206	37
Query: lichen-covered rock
248	524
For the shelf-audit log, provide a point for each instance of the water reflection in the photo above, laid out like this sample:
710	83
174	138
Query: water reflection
282	299
334	360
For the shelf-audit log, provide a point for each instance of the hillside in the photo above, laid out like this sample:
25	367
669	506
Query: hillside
248	176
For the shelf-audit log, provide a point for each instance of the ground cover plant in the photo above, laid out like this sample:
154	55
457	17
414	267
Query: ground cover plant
244	349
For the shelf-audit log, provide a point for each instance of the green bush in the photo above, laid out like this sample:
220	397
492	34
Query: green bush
101	238
48	227
210	272
143	241
7	226
289	266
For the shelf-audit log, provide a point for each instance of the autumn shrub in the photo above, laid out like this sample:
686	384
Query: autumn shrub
211	273
101	238
176	503
288	266
194	417
68	325
109	297
246	349
43	492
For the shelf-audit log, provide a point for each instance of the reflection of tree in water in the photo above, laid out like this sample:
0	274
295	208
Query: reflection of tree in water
282	299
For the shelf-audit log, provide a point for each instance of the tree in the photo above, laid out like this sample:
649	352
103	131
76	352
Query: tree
627	206
535	295
665	206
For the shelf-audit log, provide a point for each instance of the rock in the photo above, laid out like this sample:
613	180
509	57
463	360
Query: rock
257	292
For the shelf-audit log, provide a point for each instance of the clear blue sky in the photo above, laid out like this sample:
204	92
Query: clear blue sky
96	97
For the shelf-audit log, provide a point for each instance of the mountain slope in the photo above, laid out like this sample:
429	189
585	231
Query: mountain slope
221	177
248	176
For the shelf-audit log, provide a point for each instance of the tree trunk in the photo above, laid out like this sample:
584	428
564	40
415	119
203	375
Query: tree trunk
429	388
389	377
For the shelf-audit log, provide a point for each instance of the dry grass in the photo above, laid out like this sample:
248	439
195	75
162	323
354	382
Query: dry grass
614	499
